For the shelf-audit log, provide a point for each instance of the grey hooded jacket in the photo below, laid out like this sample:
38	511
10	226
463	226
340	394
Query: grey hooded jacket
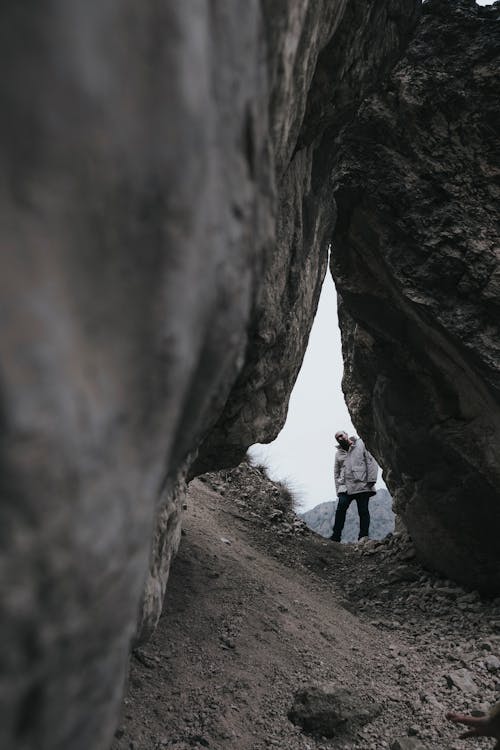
355	469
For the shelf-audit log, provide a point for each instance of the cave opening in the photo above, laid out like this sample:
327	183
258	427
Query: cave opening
302	456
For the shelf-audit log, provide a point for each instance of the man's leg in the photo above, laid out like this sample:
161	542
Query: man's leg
364	514
343	504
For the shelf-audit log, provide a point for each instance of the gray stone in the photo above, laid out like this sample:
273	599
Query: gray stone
404	573
492	663
462	679
416	266
166	213
327	711
407	743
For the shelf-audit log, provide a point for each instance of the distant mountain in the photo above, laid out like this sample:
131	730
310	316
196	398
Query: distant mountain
320	518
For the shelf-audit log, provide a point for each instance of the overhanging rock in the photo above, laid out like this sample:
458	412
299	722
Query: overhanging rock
416	262
159	195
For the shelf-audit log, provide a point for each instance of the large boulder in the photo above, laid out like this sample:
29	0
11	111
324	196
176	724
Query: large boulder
144	148
324	58
136	204
327	710
416	262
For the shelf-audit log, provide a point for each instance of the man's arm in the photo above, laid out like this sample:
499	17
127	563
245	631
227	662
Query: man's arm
336	473
371	468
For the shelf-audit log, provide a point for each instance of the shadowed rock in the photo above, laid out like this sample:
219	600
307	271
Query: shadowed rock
328	711
416	263
151	154
407	743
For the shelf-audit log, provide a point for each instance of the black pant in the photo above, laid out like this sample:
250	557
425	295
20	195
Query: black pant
364	515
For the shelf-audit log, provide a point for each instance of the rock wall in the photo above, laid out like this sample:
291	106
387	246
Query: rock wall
164	220
417	266
130	243
325	57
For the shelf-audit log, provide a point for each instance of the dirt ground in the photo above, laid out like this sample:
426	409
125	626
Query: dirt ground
258	607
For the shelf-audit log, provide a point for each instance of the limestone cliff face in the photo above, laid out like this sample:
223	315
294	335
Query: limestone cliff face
164	223
417	266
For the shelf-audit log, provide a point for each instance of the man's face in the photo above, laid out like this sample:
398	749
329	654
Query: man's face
343	439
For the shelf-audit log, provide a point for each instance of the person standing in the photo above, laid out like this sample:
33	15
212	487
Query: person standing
355	476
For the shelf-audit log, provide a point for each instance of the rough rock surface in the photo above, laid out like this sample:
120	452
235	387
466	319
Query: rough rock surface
164	545
255	611
407	743
335	76
129	241
144	157
329	711
417	265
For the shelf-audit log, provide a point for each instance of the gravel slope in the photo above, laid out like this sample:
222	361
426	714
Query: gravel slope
258	606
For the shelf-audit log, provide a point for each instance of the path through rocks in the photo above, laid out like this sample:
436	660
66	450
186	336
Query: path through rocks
259	608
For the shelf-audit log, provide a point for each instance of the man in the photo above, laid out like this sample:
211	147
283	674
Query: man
355	476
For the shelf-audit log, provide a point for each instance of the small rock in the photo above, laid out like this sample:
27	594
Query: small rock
462	679
402	573
450	591
325	710
199	740
408	555
275	514
146	660
407	743
433	701
473	596
492	663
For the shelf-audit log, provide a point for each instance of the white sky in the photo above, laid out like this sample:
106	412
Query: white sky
303	453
